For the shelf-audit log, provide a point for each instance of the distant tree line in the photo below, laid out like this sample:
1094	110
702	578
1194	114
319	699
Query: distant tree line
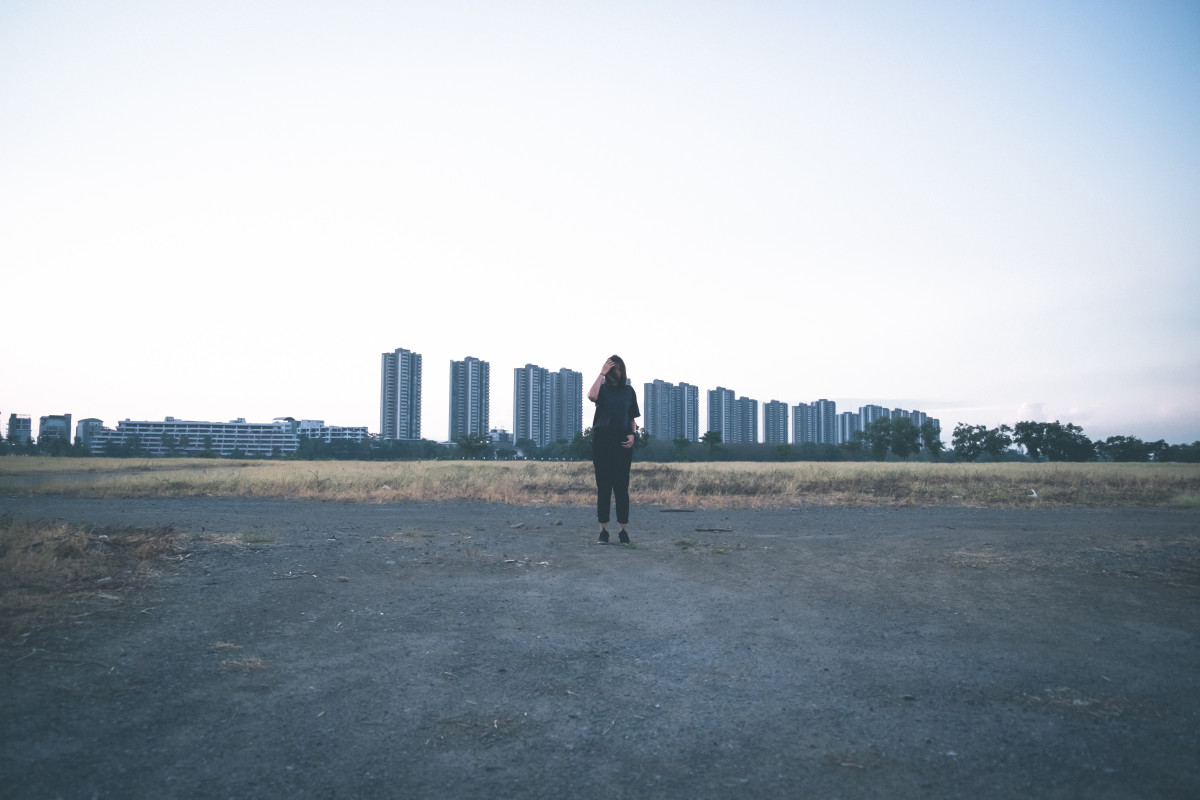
1054	441
51	446
883	440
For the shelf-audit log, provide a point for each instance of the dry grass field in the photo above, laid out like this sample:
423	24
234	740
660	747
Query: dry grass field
699	485
51	572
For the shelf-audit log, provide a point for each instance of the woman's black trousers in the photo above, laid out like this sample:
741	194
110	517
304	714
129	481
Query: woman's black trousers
612	475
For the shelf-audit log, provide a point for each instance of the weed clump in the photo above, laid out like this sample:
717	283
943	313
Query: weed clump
51	572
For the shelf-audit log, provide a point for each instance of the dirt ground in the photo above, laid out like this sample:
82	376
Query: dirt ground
320	650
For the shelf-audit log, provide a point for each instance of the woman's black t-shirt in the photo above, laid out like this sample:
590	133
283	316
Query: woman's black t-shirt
616	409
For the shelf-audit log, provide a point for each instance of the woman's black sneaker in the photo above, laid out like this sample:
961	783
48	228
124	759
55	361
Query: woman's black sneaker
624	537
603	538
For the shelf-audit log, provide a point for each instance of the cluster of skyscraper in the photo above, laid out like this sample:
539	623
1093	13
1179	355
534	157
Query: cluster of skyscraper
547	406
670	413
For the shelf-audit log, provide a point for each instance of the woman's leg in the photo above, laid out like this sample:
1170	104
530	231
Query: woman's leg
620	484
603	464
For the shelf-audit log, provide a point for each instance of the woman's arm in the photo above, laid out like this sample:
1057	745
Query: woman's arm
628	443
594	392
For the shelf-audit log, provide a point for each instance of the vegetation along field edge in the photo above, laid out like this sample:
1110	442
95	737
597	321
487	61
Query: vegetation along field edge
682	485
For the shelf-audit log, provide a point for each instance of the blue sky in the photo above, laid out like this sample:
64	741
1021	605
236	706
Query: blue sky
985	211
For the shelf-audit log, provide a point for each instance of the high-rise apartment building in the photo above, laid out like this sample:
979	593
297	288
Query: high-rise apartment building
804	428
775	422
532	404
547	406
566	404
868	414
815	422
847	423
400	395
720	412
470	397
745	421
656	409
687	412
671	411
826	421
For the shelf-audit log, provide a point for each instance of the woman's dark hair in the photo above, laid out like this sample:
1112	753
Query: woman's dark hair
620	362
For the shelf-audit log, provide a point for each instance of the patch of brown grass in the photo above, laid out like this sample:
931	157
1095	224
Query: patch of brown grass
52	572
699	485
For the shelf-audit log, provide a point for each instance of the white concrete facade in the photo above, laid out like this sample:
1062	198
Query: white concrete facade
188	437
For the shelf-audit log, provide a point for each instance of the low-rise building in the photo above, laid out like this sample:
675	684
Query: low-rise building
176	437
54	426
20	428
85	429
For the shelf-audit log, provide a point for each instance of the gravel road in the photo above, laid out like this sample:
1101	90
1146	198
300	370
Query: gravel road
320	650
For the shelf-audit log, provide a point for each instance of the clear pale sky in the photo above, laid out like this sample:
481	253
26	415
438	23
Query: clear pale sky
987	211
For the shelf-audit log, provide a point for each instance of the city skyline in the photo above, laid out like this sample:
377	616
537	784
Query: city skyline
547	408
984	212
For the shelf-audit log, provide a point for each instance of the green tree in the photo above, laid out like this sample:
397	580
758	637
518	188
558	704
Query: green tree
972	441
967	441
581	445
1182	453
1123	448
1054	441
1031	436
931	439
473	445
712	440
641	445
877	438
996	441
1067	443
905	437
681	445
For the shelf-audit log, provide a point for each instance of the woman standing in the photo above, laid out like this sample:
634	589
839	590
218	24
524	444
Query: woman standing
613	432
